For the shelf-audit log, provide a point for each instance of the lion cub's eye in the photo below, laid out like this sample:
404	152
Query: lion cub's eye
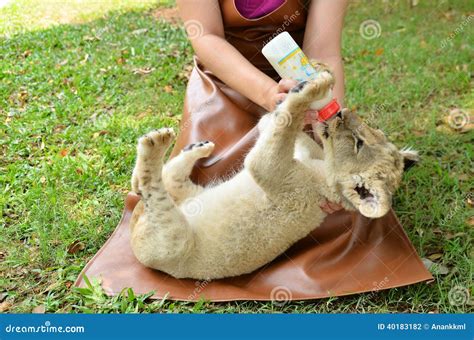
358	143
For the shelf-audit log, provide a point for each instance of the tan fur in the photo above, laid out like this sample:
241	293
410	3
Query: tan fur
239	225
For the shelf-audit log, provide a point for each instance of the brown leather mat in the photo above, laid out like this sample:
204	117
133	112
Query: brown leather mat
347	254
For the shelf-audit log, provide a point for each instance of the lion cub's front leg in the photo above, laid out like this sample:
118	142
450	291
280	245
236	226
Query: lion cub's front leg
271	161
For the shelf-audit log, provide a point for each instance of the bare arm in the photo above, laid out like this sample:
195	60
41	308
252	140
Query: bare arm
203	20
322	39
206	34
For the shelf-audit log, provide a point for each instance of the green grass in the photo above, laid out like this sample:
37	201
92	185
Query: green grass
71	110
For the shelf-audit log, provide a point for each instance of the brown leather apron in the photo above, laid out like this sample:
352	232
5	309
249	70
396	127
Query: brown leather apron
213	111
347	254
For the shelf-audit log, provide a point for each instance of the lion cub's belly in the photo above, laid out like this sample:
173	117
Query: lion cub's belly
239	229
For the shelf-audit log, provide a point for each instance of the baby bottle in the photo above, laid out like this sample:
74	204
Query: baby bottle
288	59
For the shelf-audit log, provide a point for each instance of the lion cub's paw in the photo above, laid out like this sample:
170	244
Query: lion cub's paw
307	94
155	143
201	149
320	67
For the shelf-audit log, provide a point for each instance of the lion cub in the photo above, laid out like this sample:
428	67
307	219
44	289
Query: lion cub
237	226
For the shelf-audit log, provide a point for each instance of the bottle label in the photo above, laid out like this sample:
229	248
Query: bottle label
296	65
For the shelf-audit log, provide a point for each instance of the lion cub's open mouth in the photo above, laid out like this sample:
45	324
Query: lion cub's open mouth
363	192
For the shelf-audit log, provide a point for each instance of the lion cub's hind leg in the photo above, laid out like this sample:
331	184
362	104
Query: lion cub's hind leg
161	237
151	149
177	171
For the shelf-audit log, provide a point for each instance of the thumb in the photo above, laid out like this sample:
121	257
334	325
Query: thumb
285	85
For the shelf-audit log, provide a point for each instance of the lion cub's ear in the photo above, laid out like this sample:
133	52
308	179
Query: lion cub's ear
410	158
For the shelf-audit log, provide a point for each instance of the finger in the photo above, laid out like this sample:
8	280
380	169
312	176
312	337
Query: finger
328	211
325	207
280	97
334	206
286	85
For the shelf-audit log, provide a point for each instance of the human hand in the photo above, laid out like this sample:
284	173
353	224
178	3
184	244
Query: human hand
279	92
330	207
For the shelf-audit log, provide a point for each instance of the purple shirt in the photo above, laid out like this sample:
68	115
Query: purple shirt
252	9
